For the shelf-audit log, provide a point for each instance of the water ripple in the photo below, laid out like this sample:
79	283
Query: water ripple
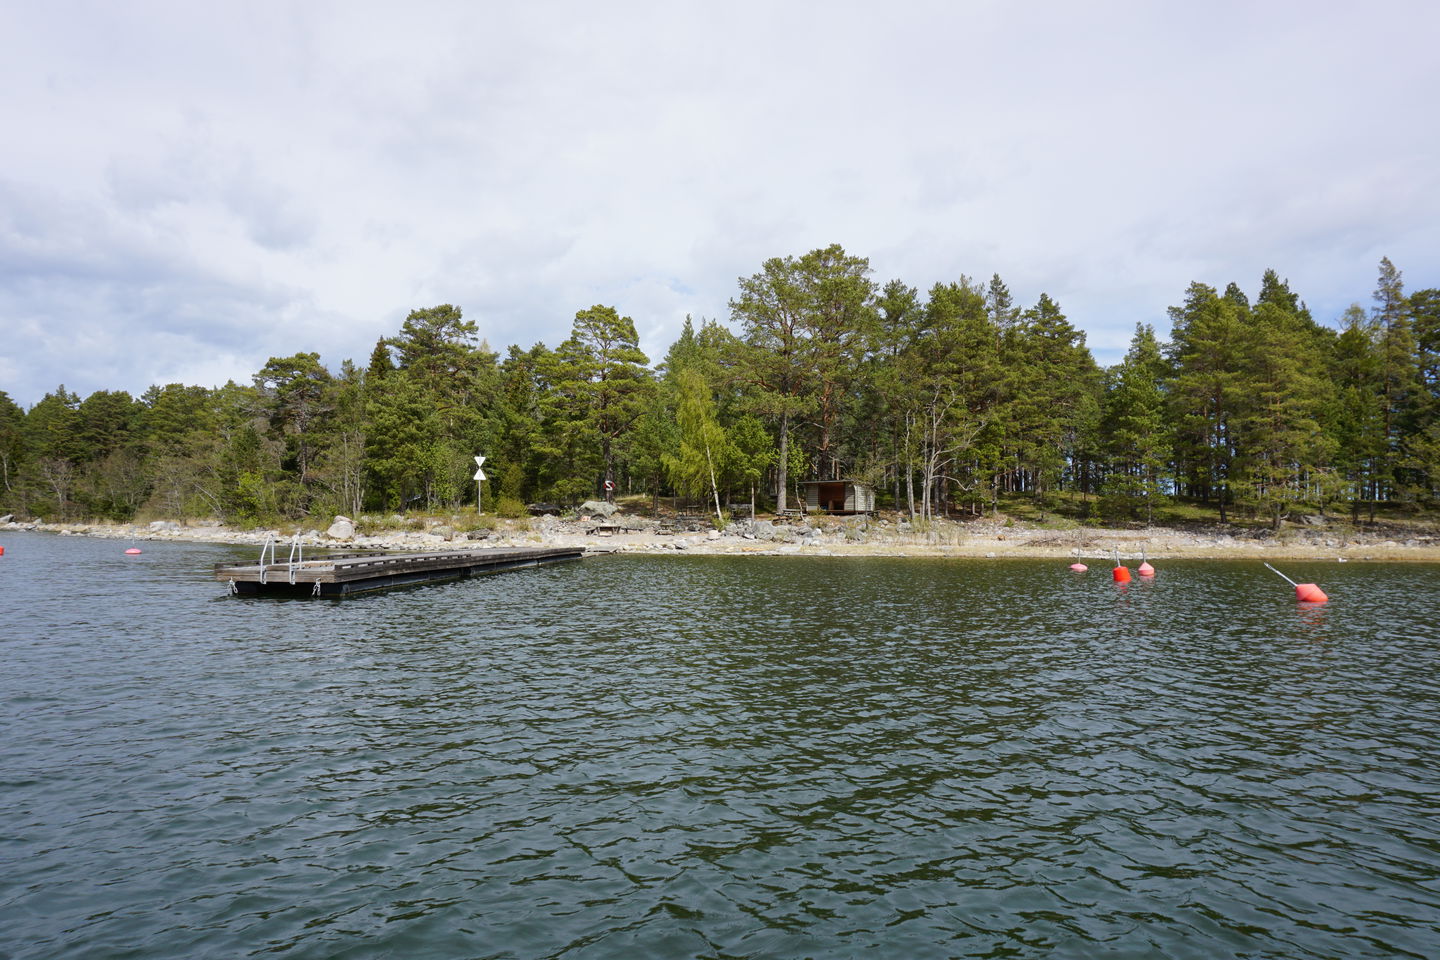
701	757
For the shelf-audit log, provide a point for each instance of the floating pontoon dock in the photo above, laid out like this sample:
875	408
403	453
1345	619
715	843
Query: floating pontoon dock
345	574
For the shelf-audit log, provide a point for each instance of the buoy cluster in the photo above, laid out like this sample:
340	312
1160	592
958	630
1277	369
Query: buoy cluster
1304	592
1121	573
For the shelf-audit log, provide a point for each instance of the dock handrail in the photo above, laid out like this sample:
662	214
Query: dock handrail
297	556
269	544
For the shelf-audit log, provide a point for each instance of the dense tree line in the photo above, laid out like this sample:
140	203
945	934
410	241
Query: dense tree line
945	401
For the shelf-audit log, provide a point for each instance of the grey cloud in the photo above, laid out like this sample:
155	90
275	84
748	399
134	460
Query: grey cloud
299	179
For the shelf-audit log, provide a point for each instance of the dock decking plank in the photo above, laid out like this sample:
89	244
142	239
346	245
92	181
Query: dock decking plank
347	574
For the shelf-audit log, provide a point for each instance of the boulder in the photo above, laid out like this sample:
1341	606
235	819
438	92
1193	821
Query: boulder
7	518
163	526
342	529
599	508
443	532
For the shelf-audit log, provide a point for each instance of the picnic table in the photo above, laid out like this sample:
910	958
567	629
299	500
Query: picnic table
609	528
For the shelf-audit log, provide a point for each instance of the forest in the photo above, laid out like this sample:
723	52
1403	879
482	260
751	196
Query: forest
952	402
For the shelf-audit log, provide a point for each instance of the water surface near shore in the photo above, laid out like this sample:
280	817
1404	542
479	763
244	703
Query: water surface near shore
716	757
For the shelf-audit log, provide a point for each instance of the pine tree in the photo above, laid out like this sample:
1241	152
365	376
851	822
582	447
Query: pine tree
1207	392
1399	377
12	446
1423	427
294	392
1052	375
607	377
773	364
837	324
1138	438
951	375
1353	422
1280	450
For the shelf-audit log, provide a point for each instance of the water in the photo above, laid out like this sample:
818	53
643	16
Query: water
707	757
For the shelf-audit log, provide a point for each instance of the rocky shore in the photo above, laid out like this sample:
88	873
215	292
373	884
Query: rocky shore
821	536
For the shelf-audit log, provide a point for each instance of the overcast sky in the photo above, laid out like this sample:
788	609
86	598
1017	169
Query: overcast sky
187	189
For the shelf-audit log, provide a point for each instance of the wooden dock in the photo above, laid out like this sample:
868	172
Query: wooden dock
343	575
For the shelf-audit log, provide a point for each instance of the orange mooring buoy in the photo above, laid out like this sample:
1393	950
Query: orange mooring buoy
1304	592
1121	574
2	551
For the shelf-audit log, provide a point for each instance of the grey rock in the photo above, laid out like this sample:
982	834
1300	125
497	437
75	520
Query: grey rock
7	518
443	532
164	526
599	508
342	529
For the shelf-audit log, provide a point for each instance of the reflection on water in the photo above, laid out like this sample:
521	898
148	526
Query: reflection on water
705	757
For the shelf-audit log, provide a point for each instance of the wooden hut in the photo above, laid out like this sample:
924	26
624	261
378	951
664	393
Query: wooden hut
839	496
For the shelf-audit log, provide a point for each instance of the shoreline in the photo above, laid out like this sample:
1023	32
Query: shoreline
823	537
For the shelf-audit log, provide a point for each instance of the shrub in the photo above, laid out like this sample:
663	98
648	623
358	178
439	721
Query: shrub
511	508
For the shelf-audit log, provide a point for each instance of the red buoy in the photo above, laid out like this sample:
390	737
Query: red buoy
1121	574
1304	592
133	550
2	551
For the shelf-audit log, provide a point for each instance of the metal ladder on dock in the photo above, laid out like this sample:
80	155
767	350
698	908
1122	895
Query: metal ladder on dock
296	560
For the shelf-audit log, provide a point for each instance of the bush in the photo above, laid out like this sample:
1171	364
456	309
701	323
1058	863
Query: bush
470	522
511	508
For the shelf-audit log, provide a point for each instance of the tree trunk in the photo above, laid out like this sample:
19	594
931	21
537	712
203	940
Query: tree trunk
713	488
783	468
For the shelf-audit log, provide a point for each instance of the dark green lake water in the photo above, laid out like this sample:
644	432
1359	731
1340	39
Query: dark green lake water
706	757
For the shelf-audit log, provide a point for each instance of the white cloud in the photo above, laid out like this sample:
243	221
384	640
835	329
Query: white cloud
203	186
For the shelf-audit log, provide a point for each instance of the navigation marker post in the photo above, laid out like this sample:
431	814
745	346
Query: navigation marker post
479	479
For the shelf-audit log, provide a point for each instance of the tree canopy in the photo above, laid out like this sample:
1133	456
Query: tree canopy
946	402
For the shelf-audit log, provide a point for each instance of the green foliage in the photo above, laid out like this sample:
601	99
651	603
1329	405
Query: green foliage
1137	441
598	385
954	399
510	508
696	466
